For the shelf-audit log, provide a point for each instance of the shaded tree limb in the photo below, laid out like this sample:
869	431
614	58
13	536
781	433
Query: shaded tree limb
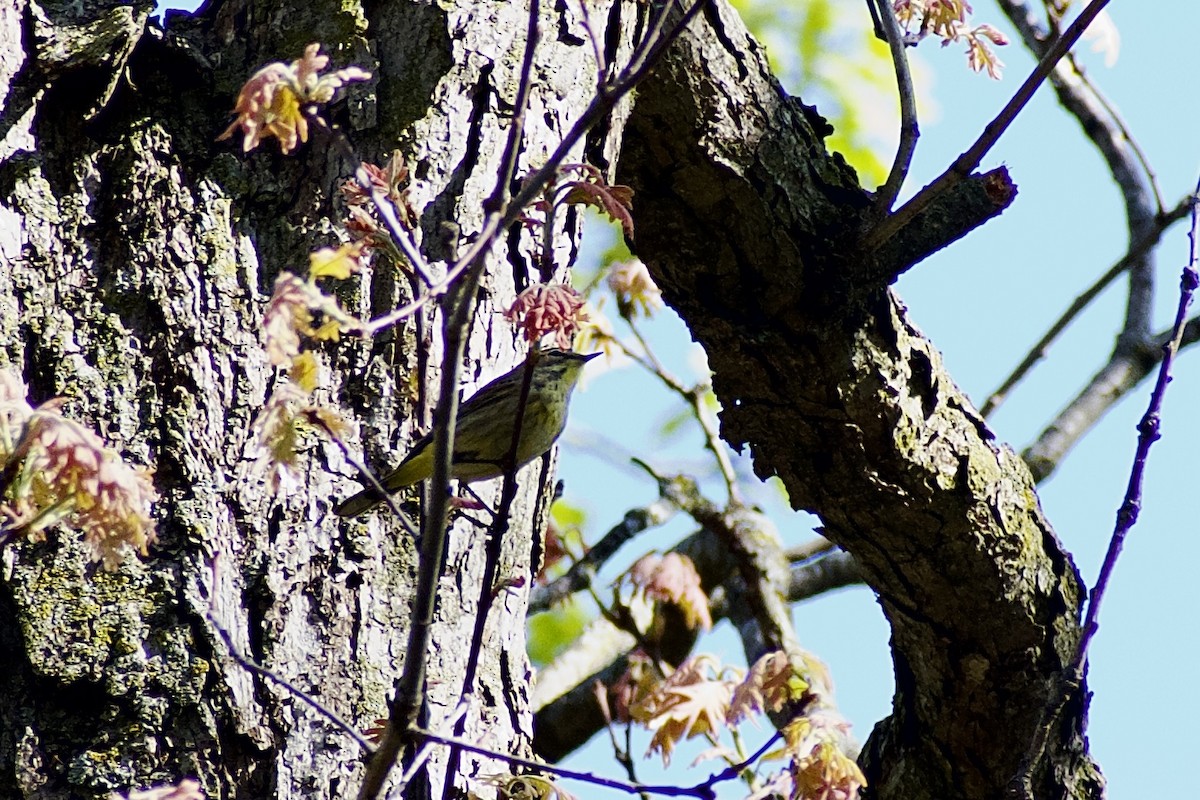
835	570
1120	375
804	338
635	521
564	695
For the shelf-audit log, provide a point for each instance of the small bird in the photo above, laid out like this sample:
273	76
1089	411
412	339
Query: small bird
484	430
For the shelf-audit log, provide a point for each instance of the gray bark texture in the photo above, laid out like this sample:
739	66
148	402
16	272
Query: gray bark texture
138	254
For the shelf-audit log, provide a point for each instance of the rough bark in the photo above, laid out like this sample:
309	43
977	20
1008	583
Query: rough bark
751	230
138	254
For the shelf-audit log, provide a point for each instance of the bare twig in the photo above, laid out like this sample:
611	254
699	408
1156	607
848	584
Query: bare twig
410	689
970	158
640	64
637	70
909	130
399	236
423	753
435	291
411	686
492	558
576	578
499	526
502	212
371	478
251	666
1039	350
397	232
694	397
602	75
1036	38
702	790
1127	515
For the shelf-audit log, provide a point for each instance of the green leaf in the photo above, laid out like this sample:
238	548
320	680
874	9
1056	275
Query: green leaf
552	632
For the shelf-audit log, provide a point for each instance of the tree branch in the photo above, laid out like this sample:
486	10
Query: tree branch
410	689
836	392
1084	102
564	695
969	160
1120	375
885	18
577	577
1135	253
1127	515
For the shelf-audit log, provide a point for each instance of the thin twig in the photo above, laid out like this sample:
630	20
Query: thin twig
460	322
493	552
694	397
251	666
399	235
423	753
1127	515
410	689
702	790
599	107
578	576
909	130
1126	134
1039	350
970	158
626	758
647	55
408	309
597	47
640	64
1036	37
435	291
370	476
739	745
1148	434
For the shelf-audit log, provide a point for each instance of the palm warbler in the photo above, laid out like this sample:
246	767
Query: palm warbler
484	430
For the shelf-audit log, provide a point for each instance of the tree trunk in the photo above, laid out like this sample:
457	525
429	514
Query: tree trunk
139	253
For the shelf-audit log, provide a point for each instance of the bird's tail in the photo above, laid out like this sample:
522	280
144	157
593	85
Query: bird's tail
359	503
